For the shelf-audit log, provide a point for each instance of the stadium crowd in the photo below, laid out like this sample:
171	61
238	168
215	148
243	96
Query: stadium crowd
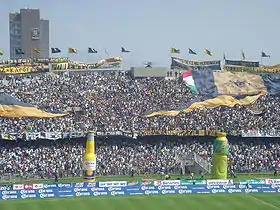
120	156
108	102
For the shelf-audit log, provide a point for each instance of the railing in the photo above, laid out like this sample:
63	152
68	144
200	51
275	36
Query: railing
203	163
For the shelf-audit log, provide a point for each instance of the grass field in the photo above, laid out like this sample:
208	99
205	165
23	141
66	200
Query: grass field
151	202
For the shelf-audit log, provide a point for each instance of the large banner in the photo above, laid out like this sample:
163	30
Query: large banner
62	135
263	134
108	63
211	84
50	60
178	133
24	69
264	69
81	134
114	188
28	136
242	63
31	62
53	135
12	63
179	63
69	66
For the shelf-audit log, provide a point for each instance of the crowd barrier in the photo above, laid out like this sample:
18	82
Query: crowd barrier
123	188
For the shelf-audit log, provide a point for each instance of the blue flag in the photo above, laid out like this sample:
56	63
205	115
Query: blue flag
243	55
264	55
91	50
124	50
56	50
192	52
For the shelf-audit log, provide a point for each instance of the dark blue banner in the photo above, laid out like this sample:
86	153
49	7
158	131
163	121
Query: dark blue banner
90	189
179	63
242	63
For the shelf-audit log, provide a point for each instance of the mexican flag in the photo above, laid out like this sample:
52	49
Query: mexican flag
188	78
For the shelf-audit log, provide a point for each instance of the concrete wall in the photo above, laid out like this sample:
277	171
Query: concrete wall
44	39
30	21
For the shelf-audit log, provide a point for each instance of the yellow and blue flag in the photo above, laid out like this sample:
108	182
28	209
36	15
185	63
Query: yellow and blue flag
224	89
19	51
13	108
211	84
208	52
72	50
36	51
175	50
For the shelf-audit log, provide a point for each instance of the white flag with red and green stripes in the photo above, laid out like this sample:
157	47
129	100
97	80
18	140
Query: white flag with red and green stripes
188	78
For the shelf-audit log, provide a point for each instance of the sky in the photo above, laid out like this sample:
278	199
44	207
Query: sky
149	28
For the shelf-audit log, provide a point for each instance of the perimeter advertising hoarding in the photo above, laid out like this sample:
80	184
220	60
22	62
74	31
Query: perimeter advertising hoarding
63	190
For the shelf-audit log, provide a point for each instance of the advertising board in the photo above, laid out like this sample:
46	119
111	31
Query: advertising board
64	190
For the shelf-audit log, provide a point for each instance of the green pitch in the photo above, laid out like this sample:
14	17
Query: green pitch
161	202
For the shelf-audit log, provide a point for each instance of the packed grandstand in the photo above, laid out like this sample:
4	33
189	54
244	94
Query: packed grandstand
120	109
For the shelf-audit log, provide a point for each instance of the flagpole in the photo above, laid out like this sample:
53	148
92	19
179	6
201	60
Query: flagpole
105	51
170	54
122	61
261	57
224	59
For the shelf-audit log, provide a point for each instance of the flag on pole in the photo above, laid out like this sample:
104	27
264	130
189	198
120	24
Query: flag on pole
225	56
72	50
243	55
192	52
208	52
264	55
36	51
19	51
55	50
124	50
91	50
175	50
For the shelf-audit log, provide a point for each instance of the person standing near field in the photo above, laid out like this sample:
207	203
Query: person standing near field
56	176
202	175
247	186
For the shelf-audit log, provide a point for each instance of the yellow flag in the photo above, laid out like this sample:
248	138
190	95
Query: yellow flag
72	50
36	51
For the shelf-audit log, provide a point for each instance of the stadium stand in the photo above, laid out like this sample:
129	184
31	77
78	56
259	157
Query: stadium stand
109	102
117	156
